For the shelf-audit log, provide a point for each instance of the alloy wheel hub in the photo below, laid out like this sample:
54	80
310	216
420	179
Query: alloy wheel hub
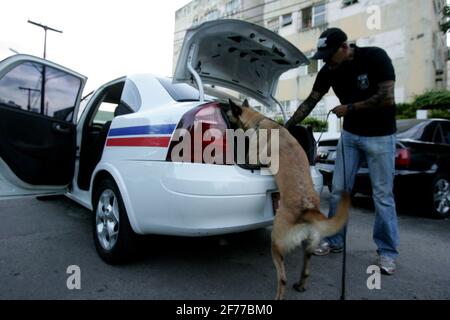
107	219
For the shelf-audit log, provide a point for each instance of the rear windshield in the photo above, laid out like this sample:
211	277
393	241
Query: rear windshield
406	124
180	92
411	129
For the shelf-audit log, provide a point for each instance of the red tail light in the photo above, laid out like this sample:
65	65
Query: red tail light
205	127
403	158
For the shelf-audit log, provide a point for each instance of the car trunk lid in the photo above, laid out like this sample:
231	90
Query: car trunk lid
237	55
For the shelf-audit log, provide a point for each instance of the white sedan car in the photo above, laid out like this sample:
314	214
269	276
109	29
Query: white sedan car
115	158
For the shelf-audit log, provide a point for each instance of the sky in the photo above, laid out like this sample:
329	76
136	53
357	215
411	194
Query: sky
101	39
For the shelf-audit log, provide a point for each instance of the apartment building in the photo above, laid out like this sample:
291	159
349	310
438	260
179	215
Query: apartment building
407	29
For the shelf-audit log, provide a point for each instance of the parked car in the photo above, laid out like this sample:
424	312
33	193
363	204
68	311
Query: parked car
422	164
116	159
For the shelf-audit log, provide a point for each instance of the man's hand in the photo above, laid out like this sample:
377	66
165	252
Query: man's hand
340	111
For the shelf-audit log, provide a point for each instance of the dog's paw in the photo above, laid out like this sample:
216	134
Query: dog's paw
299	288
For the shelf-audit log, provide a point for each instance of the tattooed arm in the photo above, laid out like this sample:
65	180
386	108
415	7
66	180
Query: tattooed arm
383	98
304	109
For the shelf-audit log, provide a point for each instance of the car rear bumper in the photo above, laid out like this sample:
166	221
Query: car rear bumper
195	199
191	199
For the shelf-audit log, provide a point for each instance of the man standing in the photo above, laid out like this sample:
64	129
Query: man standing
363	78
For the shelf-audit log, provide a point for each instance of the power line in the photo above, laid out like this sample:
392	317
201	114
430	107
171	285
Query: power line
258	15
240	11
46	28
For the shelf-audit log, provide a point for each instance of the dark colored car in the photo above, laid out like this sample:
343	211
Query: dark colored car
422	165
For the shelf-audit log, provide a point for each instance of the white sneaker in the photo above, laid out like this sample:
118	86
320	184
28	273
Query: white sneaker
387	265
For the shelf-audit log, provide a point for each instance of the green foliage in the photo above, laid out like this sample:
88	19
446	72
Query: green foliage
405	111
433	98
316	124
279	120
438	103
440	114
445	26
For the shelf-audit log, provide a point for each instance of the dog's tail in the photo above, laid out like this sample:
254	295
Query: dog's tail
328	227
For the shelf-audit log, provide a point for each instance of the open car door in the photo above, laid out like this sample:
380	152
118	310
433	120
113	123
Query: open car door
39	101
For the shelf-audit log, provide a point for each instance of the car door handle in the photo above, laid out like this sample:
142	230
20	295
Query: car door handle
61	128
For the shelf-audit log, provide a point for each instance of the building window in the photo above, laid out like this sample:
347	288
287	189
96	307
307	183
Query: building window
286	20
313	67
232	7
307	18
212	15
319	15
314	16
346	3
438	6
273	24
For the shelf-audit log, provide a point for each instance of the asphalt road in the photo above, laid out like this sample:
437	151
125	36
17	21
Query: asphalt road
40	239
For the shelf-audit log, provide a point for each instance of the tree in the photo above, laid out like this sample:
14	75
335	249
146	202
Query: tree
437	102
445	26
316	124
405	111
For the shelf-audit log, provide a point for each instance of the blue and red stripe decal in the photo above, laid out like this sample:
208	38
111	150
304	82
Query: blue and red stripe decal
148	136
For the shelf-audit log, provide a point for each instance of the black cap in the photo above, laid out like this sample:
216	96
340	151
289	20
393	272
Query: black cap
329	42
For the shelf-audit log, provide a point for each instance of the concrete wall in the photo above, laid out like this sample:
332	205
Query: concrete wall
408	30
197	11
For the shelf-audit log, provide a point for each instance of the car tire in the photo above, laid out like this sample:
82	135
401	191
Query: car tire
115	240
440	196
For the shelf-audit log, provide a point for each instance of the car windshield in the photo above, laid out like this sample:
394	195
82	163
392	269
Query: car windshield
411	128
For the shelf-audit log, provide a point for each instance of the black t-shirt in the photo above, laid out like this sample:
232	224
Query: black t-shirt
357	80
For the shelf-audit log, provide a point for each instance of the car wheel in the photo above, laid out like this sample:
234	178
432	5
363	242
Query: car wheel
114	238
441	196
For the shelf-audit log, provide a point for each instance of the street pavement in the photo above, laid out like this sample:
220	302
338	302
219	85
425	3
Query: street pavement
39	240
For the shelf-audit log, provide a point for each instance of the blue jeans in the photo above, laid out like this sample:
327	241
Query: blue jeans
380	155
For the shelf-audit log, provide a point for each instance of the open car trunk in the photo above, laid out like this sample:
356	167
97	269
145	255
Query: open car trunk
303	135
237	55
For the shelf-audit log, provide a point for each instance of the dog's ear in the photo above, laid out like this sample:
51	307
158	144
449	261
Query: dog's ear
245	104
235	109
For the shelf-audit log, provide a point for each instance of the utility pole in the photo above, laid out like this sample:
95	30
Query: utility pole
29	90
45	37
45	54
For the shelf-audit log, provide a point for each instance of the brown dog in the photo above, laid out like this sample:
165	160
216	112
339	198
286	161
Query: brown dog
298	219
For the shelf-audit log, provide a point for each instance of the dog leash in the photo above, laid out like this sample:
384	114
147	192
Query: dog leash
344	253
320	136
